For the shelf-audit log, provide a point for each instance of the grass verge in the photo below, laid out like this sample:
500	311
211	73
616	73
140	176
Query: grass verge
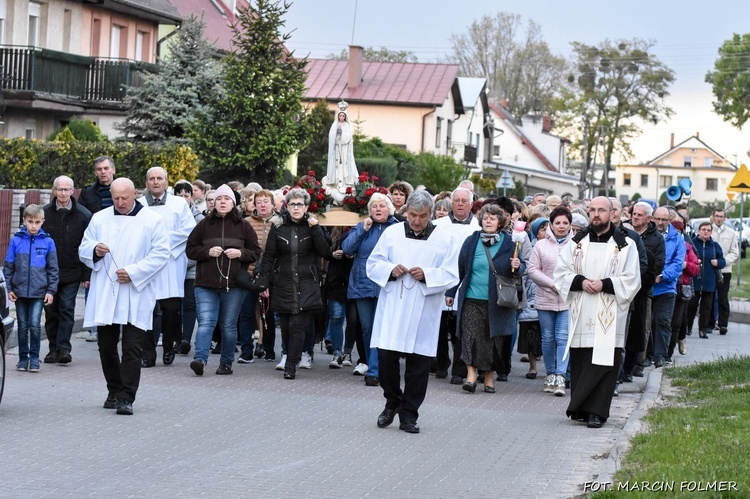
699	444
741	291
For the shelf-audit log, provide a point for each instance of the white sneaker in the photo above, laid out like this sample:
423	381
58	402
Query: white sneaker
346	360
360	370
335	362
559	386
280	365
682	347
549	383
306	362
91	337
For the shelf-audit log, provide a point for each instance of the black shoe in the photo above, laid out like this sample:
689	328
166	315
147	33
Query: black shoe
722	330
371	381
245	358
63	357
289	373
659	363
409	426
457	380
470	387
637	371
329	347
702	334
124	407
216	348
111	402
269	357
594	421
259	350
145	364
184	348
489	389
441	374
50	358
386	417
647	362
502	377
168	358
197	367
627	378
224	369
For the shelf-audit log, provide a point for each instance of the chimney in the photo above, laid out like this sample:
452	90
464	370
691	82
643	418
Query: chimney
671	142
697	135
546	123
356	55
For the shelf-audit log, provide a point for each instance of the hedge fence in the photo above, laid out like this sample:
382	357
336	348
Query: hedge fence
32	164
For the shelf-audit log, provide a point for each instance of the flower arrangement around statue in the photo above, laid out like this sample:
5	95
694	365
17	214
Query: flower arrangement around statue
319	200
357	197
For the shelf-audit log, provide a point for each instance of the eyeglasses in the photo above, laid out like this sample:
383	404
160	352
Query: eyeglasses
63	189
296	205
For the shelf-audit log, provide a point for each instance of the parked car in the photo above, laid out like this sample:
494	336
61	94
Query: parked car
6	327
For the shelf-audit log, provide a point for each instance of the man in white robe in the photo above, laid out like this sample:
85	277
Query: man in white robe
461	224
598	276
414	263
125	246
170	282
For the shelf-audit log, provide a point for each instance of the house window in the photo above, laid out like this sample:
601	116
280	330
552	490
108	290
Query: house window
449	135
712	184
496	151
118	44
687	161
644	180
708	162
626	179
665	180
438	132
35	13
139	46
3	17
67	21
96	35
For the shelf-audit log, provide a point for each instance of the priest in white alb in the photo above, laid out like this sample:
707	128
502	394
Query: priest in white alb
598	276
170	282
125	246
414	263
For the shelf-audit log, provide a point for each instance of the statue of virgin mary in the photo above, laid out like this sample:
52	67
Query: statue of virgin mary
342	171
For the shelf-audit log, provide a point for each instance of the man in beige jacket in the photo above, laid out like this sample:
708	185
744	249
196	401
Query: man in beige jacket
726	236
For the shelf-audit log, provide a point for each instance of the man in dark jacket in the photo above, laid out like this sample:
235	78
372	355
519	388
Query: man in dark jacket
65	220
96	197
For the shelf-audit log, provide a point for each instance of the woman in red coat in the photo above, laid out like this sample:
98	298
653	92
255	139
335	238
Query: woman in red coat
679	316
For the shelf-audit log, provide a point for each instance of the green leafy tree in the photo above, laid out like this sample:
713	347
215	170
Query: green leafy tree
256	121
381	54
83	130
314	156
439	173
615	86
516	61
730	80
166	104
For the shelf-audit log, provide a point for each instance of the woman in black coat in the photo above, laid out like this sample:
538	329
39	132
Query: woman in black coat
290	266
481	323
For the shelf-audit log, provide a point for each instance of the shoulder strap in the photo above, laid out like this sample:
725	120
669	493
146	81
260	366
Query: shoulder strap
489	257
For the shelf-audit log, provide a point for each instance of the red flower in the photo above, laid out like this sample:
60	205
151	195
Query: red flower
374	178
362	202
299	184
369	192
364	174
284	192
383	190
314	207
317	182
311	192
321	196
311	173
348	190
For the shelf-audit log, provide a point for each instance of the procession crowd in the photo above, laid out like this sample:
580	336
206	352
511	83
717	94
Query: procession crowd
595	290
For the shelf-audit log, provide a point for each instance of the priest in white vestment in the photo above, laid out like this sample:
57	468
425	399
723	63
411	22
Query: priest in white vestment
598	276
414	263
170	281
125	246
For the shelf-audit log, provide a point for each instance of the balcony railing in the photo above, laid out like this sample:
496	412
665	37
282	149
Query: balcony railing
67	75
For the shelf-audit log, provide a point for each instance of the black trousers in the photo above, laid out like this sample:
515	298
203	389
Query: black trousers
353	331
169	326
447	327
416	376
703	304
678	319
59	316
722	290
123	375
636	340
293	328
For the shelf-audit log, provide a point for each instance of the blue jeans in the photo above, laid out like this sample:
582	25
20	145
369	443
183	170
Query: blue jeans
219	305
29	315
335	331
366	309
554	339
60	316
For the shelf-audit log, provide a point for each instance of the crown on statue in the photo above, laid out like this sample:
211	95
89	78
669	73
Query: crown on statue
343	105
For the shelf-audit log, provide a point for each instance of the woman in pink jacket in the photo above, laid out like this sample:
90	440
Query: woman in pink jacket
552	310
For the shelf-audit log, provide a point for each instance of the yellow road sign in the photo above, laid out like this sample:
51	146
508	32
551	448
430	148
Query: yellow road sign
741	180
730	195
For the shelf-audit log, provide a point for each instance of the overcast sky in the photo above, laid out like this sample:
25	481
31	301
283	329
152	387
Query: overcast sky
687	37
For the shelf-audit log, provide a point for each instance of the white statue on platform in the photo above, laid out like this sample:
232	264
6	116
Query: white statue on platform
342	171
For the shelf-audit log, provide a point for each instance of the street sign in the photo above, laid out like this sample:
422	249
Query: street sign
505	181
741	180
730	195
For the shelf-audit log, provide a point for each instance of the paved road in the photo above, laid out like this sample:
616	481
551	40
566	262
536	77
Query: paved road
254	434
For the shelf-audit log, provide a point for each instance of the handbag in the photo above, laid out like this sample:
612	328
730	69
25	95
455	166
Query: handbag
507	291
245	281
686	292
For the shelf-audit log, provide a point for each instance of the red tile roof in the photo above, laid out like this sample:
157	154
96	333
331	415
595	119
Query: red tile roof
218	27
382	82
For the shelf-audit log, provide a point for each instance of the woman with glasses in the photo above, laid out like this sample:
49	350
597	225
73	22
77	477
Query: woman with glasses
711	261
289	265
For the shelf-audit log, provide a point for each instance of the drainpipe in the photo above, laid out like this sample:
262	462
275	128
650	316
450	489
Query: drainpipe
164	39
424	117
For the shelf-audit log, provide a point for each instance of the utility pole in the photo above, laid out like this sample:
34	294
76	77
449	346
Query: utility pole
584	166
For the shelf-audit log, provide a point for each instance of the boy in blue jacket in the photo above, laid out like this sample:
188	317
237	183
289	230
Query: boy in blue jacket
32	275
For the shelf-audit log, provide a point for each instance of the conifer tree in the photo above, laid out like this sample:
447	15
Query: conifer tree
256	121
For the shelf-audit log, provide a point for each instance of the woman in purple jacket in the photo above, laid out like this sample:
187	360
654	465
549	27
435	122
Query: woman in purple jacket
552	310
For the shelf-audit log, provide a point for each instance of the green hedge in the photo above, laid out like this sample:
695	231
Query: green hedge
31	164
